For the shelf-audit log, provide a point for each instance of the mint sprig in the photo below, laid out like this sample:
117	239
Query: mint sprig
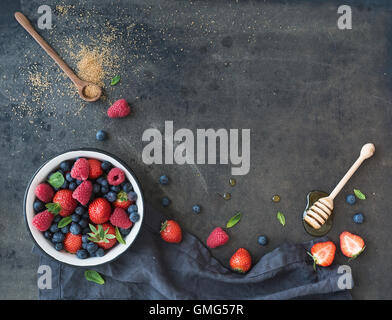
234	220
115	80
281	218
359	194
53	208
56	180
119	236
64	222
93	276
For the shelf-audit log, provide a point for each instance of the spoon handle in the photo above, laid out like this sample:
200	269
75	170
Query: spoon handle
25	23
366	152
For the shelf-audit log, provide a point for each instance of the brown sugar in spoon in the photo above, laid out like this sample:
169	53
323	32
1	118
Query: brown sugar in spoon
321	210
88	91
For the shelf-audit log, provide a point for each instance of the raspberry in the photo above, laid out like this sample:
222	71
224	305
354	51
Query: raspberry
116	176
119	109
44	192
80	169
218	237
119	218
43	220
95	169
83	192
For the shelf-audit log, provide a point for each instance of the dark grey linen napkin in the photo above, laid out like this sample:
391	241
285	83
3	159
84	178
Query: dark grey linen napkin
154	269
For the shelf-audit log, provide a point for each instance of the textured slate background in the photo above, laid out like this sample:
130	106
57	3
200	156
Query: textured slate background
311	94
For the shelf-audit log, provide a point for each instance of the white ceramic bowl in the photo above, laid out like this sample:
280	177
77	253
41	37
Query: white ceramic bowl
46	245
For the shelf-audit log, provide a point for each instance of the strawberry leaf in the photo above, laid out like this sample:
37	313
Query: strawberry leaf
115	80
92	228
94	276
56	180
119	237
64	221
359	194
110	236
281	218
234	220
53	208
164	225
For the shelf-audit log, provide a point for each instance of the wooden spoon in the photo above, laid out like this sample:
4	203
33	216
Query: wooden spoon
88	91
318	214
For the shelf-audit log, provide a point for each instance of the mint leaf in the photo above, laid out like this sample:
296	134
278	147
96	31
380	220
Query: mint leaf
281	218
234	220
115	80
93	229
54	208
359	194
64	221
119	237
56	180
93	276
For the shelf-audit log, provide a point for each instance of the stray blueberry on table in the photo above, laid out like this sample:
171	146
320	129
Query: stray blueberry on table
106	166
75	228
165	201
110	196
38	206
358	218
82	254
59	246
163	180
101	135
127	187
262	240
350	199
196	208
134	217
58	237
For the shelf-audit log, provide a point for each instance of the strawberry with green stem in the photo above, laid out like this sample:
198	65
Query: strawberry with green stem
104	235
122	200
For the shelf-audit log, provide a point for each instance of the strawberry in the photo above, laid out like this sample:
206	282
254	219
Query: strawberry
43	220
241	261
351	245
67	203
44	192
95	170
119	218
323	253
218	237
104	235
72	242
119	109
83	192
80	169
171	231
116	176
99	210
122	200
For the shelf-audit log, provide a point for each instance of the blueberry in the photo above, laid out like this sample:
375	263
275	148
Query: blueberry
86	230
65	185
350	199
115	188
75	228
105	183
106	166
165	201
78	182
132	208
134	217
85	215
85	238
124	232
83	223
110	196
57	218
84	245
65	166
132	196
80	210
262	240
163	180
104	190
358	218
65	229
48	235
100	252
127	187
82	254
69	178
92	247
38	206
96	188
75	217
196	208
101	135
58	246
54	228
58	237
72	186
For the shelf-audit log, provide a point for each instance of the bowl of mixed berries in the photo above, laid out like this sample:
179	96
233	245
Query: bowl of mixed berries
84	207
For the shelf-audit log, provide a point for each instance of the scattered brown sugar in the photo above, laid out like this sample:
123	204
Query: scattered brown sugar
91	91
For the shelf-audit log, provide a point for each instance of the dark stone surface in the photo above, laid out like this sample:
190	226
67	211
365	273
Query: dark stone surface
311	94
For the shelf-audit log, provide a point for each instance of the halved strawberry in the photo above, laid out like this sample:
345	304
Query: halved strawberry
323	253
351	245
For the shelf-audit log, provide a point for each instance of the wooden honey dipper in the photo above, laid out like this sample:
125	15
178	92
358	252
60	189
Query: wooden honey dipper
320	211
